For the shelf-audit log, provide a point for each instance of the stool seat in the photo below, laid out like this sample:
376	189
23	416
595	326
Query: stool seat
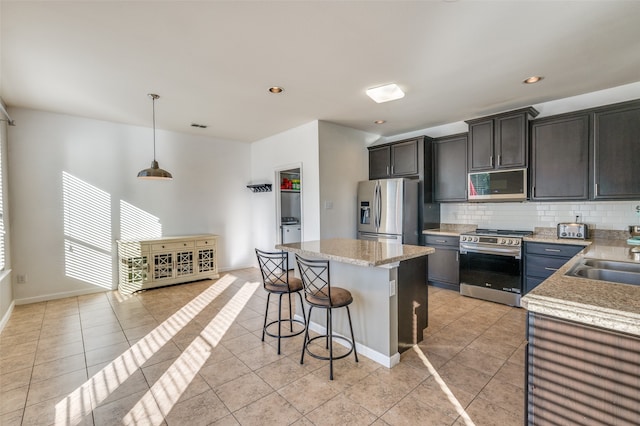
276	279
339	298
318	292
294	285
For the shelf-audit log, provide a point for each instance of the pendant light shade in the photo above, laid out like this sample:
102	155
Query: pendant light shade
154	172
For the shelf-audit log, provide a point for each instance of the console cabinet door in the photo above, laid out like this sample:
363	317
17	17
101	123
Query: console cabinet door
451	168
560	158
616	152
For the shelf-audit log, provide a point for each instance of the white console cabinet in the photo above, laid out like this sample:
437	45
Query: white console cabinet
165	261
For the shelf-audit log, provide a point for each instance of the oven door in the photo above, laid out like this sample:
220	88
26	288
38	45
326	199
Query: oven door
491	271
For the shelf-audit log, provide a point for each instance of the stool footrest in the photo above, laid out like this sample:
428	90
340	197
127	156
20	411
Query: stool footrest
289	334
326	358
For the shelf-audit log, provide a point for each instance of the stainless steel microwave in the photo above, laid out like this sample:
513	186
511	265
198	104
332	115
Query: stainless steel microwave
498	185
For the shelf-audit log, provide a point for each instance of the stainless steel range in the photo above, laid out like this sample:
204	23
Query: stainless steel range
491	265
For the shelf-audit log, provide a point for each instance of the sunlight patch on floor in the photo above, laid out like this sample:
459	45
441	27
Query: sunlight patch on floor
74	407
443	386
166	391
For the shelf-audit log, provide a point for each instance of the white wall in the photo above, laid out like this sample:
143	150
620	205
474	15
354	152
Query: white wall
343	163
207	195
297	147
6	289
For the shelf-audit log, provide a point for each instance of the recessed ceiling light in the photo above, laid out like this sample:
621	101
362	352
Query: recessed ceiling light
200	126
386	93
276	89
380	121
533	79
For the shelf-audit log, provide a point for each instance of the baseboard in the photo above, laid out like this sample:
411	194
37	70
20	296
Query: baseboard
7	315
54	296
373	355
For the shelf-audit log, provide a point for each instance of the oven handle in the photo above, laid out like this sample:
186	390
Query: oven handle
499	252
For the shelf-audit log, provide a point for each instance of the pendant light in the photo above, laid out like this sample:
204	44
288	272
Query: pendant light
154	172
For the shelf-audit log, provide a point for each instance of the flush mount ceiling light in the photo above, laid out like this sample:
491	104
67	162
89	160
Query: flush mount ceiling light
154	172
276	89
386	93
380	121
533	79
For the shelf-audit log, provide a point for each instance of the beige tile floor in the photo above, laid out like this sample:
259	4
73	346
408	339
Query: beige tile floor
192	355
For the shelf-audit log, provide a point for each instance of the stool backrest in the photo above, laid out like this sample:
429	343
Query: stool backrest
315	278
274	267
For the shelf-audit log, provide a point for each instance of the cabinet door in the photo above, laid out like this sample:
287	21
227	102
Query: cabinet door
481	145
616	152
451	168
444	266
379	162
184	263
404	158
162	266
510	143
560	158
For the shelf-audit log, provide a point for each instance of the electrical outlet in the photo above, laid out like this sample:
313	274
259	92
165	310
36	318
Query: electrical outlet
392	288
638	210
21	279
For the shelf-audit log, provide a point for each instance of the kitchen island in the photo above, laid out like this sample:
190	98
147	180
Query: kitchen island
389	288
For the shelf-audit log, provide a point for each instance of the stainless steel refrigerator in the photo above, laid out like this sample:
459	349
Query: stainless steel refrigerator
388	210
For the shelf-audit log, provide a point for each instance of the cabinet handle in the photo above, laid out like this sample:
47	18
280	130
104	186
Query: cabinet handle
441	241
491	160
534	191
387	169
550	269
499	160
457	256
391	169
552	250
596	194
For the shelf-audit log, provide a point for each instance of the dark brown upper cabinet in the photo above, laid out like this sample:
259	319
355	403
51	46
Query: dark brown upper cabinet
450	155
499	141
559	161
399	159
616	152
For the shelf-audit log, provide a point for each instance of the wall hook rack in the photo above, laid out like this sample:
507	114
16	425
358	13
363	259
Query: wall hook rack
261	187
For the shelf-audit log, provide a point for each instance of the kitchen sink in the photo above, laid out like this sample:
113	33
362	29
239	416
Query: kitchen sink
607	270
612	265
608	275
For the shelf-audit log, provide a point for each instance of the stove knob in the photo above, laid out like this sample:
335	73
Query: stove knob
463	238
510	242
516	242
476	239
503	241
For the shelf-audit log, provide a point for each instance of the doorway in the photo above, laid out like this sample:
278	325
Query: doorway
289	207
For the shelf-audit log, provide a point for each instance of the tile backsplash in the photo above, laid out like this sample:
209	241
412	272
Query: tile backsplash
610	215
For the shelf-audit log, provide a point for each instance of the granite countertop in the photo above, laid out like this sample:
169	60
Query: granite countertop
599	303
357	252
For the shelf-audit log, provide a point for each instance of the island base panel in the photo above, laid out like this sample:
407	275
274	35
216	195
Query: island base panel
412	302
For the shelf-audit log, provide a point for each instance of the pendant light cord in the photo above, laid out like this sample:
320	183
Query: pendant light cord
153	97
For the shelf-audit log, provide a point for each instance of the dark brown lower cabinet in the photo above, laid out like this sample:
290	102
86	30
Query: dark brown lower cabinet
581	375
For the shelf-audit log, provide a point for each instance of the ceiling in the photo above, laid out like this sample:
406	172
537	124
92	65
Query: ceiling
212	62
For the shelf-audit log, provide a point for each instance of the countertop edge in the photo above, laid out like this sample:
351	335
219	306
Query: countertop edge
626	322
425	251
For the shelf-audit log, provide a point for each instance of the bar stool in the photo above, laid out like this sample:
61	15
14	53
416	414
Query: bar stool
319	293
274	267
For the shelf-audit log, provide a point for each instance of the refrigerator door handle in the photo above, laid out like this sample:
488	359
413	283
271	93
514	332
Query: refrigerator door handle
378	205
